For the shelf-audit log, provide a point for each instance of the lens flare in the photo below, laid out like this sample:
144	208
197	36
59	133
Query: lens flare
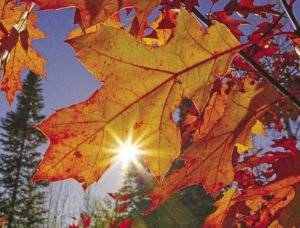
127	151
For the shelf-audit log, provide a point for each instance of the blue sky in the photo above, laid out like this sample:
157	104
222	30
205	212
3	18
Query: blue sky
67	82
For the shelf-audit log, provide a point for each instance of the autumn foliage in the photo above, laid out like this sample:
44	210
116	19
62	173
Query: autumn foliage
148	70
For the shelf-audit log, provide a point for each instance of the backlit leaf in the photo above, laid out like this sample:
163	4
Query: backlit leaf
97	11
268	201
223	206
260	201
162	28
290	216
16	52
257	129
208	161
143	87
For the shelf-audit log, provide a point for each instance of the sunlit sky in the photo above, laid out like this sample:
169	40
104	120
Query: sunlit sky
68	82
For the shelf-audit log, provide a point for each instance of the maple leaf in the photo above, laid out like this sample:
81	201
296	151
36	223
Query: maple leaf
264	28
254	207
290	216
230	22
17	54
86	220
258	203
268	201
143	86
6	6
208	160
246	7
122	224
197	125
256	129
190	4
97	11
162	28
223	206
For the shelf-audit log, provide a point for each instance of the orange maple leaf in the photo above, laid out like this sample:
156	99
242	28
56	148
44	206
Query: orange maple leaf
261	200
6	7
208	160
16	53
223	205
91	12
255	207
266	202
290	216
143	86
197	125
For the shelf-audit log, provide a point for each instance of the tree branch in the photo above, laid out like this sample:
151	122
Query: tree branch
291	16
201	17
255	65
269	78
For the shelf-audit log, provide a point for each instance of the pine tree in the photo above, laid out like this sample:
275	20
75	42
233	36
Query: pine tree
21	202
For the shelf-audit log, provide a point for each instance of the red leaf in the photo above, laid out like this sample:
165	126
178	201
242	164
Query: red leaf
86	221
231	23
126	224
123	208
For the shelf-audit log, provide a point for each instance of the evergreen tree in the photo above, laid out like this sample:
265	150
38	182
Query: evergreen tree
21	202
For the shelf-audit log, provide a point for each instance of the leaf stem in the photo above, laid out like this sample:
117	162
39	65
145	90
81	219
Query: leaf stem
291	16
255	65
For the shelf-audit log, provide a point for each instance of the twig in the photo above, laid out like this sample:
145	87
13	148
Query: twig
269	78
255	65
268	31
291	16
201	17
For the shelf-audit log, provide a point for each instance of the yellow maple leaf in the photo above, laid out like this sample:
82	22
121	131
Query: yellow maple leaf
208	161
143	87
223	205
257	129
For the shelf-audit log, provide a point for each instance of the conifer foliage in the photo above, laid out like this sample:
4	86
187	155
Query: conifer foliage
21	202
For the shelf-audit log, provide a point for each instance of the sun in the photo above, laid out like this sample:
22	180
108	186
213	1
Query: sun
127	151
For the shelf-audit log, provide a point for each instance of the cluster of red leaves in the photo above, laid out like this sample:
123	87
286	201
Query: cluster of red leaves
243	9
265	191
86	221
122	224
122	204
